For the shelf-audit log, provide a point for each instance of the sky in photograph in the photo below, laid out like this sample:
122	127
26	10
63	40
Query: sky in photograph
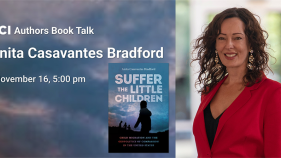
65	119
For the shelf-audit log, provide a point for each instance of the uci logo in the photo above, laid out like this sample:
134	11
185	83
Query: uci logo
5	29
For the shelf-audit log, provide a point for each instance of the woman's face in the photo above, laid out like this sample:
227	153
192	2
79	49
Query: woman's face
232	44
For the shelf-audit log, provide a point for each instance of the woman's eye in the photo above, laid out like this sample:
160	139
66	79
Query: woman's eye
238	38
221	38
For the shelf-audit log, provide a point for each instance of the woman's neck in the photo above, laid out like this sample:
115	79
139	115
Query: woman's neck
235	76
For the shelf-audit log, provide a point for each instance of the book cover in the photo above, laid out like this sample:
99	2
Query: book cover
138	100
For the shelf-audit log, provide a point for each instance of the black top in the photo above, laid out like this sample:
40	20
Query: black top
211	124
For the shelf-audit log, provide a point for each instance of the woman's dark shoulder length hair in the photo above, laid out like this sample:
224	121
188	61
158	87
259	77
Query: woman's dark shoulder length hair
204	49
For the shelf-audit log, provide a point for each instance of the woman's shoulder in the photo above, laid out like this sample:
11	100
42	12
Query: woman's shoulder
269	87
270	93
271	84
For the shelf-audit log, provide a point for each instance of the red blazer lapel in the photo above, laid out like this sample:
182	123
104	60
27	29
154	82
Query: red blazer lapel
204	102
238	103
241	100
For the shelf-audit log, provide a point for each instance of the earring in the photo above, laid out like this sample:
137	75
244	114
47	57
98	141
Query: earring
251	60
217	66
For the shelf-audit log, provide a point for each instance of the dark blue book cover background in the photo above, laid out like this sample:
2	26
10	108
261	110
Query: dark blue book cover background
128	85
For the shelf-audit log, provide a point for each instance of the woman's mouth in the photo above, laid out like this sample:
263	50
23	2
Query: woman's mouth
230	55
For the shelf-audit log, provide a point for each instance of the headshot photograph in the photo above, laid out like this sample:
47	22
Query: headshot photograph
229	79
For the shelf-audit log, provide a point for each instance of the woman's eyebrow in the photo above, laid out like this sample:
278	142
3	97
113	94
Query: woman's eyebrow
237	33
232	34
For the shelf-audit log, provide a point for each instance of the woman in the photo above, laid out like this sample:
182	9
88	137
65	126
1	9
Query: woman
240	110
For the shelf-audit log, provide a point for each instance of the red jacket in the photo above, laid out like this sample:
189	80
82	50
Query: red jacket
249	127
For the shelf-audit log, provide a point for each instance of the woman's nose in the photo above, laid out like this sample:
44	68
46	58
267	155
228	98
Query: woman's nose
229	44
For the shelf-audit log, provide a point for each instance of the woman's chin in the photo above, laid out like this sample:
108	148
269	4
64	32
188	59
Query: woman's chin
235	66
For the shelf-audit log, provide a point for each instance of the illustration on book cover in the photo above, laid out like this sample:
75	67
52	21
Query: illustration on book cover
138	107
